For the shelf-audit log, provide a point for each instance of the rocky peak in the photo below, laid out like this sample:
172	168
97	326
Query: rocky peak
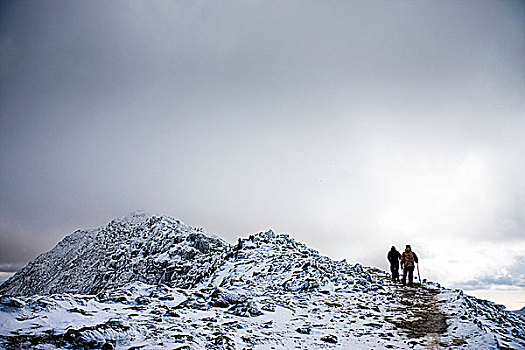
148	281
138	247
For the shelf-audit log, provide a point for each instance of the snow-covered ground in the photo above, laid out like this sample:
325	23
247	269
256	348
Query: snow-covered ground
271	293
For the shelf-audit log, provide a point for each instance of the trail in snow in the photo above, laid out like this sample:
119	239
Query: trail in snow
276	293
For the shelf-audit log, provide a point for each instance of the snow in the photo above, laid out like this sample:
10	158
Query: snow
274	293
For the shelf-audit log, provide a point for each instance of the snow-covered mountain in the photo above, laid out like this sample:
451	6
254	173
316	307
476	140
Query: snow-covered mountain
139	247
152	282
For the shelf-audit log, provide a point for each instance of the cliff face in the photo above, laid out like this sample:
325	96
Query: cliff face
138	247
152	282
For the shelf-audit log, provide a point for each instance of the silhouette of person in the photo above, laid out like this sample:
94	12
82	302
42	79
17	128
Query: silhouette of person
393	257
408	261
237	248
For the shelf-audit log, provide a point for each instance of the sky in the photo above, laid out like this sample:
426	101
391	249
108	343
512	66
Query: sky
351	125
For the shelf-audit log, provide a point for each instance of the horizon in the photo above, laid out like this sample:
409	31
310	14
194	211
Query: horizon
354	126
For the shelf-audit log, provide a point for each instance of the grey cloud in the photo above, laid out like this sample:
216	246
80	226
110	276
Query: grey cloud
310	118
10	268
511	276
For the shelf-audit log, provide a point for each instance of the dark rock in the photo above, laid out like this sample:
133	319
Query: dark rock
224	298
80	311
304	330
107	346
11	302
245	309
142	300
171	313
330	338
268	307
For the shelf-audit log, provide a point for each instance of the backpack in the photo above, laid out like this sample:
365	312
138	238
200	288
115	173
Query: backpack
408	259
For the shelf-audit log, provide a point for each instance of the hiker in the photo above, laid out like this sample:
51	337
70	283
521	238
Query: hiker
393	257
237	248
408	261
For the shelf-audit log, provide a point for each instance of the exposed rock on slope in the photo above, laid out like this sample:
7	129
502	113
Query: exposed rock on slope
138	247
274	292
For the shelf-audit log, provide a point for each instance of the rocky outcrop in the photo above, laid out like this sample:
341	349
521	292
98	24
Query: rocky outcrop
152	282
139	247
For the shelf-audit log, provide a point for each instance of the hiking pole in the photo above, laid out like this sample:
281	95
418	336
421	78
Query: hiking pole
418	275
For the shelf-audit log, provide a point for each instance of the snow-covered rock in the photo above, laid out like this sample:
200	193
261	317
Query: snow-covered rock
139	247
151	282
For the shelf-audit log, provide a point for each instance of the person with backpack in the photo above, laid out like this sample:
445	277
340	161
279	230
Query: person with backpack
393	258
408	261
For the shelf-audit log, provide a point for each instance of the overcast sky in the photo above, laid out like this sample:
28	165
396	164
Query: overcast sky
352	125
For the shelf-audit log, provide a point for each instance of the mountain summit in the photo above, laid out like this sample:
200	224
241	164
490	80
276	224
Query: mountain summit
153	282
138	247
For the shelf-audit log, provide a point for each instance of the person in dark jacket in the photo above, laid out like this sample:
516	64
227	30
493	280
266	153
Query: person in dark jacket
237	248
408	261
393	258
